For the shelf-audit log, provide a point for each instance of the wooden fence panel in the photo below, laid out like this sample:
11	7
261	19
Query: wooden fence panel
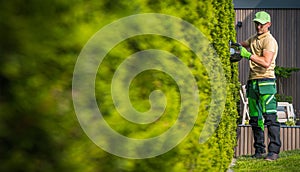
289	136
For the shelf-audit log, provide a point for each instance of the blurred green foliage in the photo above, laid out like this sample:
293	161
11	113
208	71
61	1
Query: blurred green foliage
40	42
282	73
285	72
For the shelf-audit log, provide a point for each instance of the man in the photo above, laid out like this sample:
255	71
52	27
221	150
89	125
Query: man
261	87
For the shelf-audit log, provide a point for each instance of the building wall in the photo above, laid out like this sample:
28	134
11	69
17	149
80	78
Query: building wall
286	29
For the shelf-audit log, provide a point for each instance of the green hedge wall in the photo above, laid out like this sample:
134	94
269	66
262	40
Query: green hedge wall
41	41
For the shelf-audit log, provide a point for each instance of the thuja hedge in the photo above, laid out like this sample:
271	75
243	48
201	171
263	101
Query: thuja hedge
39	129
215	20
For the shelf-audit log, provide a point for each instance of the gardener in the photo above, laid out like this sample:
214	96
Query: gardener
261	86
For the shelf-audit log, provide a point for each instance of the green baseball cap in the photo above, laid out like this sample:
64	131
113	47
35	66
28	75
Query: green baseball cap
262	17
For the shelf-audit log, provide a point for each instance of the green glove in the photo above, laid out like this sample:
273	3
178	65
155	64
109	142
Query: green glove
245	53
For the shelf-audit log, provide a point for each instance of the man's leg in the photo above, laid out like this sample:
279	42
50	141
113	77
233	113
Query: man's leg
273	133
258	135
256	119
269	108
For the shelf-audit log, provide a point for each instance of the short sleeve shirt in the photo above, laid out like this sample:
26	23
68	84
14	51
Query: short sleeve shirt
258	44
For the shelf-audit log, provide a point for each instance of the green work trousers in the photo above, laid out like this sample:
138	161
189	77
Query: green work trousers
263	111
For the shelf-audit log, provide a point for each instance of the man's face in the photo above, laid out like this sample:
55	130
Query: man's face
262	28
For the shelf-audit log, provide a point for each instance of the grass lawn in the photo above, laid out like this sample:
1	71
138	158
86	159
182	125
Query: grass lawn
288	161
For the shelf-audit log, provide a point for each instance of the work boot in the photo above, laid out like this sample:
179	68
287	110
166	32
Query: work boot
272	156
258	155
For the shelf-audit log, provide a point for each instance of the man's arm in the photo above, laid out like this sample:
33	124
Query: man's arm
265	60
244	44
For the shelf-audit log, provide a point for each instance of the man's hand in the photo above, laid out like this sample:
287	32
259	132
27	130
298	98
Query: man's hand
245	53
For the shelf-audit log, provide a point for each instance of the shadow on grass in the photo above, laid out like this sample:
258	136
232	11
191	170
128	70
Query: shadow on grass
289	161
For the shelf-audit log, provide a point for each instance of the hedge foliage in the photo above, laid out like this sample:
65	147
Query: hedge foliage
40	43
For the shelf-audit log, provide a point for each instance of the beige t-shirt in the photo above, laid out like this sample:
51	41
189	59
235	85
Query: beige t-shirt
259	43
